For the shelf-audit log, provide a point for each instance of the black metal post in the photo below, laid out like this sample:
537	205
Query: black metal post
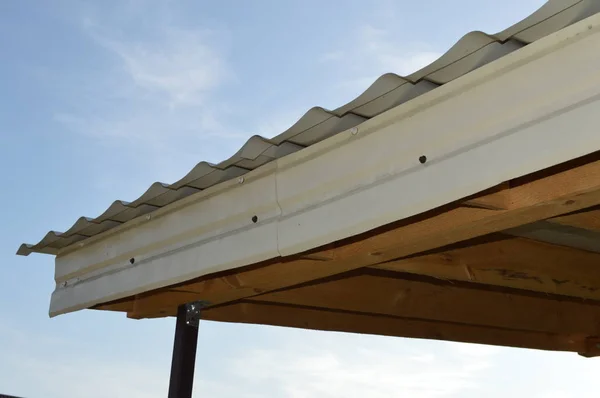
184	356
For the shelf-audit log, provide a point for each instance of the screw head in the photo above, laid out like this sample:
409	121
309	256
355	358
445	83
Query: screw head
148	217
422	159
241	180
354	130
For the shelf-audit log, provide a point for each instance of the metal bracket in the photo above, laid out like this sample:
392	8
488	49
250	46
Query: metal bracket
193	312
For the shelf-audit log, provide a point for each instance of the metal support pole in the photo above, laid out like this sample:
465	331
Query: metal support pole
184	354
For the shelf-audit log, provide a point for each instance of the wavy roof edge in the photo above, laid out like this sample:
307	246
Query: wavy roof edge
472	51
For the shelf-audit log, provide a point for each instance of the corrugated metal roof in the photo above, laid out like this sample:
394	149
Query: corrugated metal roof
472	51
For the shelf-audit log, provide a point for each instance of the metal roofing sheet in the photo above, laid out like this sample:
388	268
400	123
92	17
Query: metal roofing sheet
472	51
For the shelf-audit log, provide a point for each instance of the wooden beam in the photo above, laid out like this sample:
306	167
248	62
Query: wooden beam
330	320
497	198
447	302
512	262
123	305
164	298
592	347
557	234
589	220
544	195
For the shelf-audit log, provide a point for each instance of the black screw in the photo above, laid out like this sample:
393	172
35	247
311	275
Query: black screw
254	219
131	260
422	159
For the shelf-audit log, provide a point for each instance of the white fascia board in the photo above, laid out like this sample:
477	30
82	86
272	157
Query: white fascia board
532	109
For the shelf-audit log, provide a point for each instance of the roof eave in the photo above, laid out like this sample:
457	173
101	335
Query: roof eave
509	118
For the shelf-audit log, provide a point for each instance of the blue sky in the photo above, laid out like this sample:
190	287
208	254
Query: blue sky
100	99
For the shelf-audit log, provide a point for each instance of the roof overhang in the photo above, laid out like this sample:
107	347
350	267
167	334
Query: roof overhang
530	110
469	212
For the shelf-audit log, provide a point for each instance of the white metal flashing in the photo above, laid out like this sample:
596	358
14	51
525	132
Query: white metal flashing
529	110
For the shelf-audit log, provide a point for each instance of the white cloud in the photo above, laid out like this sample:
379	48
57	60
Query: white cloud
475	350
279	122
332	56
153	104
397	56
373	49
355	61
180	64
378	52
341	365
261	361
35	364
